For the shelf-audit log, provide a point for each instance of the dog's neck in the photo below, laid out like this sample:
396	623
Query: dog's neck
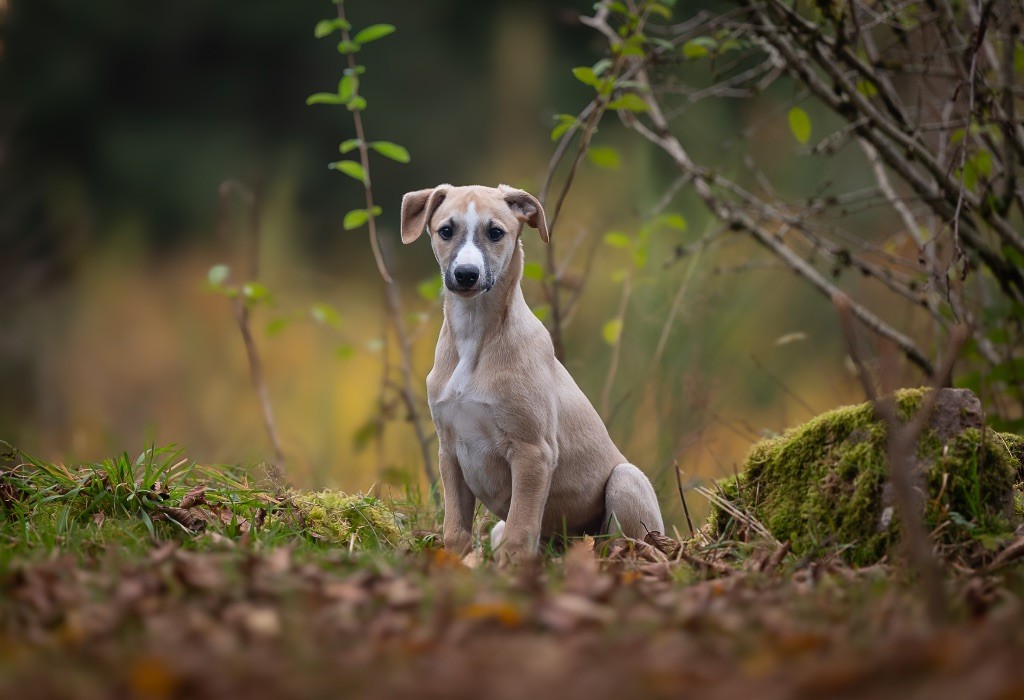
476	320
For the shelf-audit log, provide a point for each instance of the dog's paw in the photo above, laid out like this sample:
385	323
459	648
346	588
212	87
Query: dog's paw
508	556
459	544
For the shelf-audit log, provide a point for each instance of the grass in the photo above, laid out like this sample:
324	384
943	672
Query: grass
128	505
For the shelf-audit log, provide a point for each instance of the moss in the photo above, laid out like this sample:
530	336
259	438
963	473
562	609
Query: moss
333	517
825	483
1014	445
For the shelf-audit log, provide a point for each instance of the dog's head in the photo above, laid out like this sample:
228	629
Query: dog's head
474	231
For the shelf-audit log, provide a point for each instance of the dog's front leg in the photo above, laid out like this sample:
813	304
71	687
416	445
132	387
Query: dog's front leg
532	467
459	504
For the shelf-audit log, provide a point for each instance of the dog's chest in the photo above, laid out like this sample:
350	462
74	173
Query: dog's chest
465	412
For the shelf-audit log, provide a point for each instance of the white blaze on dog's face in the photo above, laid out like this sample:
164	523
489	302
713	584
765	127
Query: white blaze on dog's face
473	231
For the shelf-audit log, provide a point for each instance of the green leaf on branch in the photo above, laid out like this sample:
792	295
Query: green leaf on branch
800	124
430	288
699	47
604	157
391	150
323	28
351	168
276	325
347	47
255	292
565	122
611	331
587	76
324	98
218	275
978	165
640	256
866	88
601	66
633	46
356	104
656	8
675	221
533	271
355	70
374	32
325	314
355	219
328	26
616	239
630	102
347	87
349	145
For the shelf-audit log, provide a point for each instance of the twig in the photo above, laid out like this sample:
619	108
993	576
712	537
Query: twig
682	497
746	519
901	446
241	313
392	297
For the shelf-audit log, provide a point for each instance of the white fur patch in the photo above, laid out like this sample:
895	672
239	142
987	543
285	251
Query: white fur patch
470	253
465	322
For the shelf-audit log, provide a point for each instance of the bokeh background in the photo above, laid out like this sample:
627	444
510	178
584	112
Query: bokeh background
120	119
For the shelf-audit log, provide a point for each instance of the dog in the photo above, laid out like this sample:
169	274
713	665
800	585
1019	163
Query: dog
514	430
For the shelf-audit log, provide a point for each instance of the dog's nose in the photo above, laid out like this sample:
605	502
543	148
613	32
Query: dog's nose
467	275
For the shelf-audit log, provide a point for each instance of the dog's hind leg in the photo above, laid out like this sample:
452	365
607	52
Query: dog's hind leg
630	504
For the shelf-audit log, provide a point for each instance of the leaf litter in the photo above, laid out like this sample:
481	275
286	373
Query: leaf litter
230	601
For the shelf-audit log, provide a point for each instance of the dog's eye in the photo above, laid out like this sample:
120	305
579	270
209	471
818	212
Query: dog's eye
446	232
495	234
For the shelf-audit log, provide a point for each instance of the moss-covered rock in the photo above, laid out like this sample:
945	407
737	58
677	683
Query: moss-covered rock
825	483
334	517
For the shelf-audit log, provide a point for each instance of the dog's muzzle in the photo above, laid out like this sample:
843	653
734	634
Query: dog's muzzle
466	279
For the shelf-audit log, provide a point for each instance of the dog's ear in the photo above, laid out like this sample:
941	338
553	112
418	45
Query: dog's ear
417	208
527	208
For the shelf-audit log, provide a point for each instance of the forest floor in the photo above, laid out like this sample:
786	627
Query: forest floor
157	578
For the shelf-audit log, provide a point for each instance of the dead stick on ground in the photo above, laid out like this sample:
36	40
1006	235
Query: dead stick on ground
901	448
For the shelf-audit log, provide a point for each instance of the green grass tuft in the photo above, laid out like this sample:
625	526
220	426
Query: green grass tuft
126	505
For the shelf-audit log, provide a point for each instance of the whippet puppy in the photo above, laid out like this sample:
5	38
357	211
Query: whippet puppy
514	430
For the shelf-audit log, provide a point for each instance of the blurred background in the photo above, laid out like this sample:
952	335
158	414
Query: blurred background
119	120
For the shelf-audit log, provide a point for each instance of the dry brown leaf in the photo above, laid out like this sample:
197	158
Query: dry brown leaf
257	620
472	560
199	571
582	572
277	561
666	545
151	677
400	593
566	612
502	612
195	496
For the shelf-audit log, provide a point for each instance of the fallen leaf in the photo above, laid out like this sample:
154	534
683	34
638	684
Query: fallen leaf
502	612
195	496
150	677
